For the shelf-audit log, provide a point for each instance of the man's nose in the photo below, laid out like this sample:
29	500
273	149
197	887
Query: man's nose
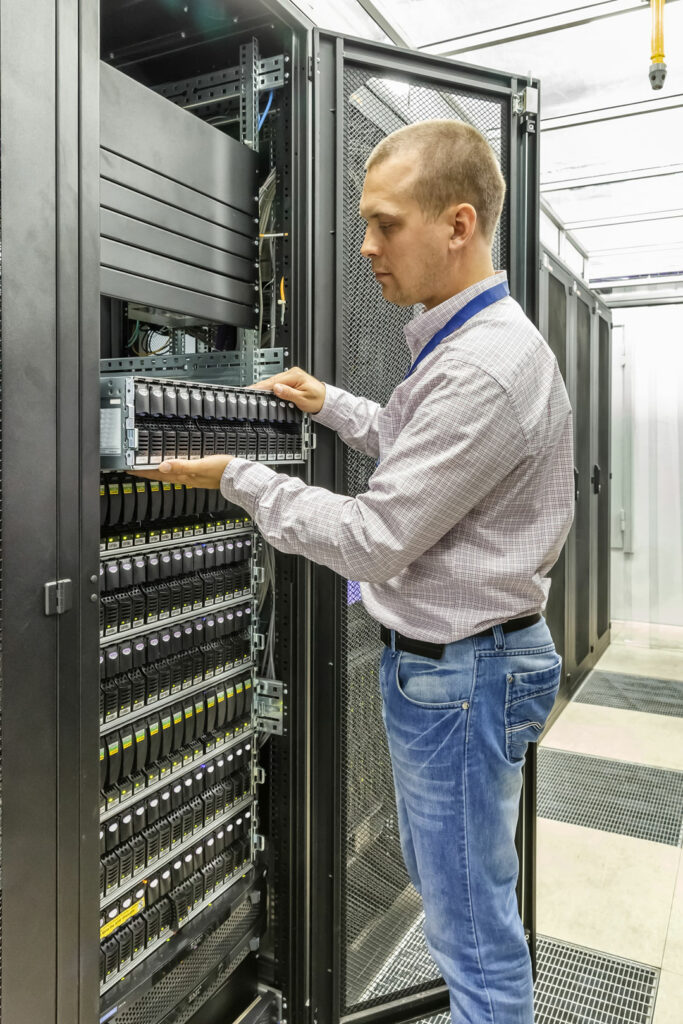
369	246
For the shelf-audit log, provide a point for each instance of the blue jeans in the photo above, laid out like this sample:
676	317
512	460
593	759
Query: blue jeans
458	730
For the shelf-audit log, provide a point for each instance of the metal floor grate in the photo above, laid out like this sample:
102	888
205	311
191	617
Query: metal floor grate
582	986
633	693
613	796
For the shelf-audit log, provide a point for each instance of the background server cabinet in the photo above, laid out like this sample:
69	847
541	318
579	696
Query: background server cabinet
578	328
129	256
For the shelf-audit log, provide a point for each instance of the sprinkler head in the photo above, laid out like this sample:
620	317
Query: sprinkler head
657	75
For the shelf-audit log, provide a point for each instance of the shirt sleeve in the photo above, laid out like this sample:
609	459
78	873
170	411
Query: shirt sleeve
462	438
354	419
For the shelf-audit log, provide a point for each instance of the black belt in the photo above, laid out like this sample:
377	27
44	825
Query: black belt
428	650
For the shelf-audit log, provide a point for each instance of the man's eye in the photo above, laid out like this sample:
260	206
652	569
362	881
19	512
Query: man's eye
385	227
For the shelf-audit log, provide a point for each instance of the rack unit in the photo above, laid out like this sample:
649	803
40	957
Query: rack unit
144	420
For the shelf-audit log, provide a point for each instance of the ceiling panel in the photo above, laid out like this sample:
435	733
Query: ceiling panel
649	262
635	143
632	236
592	66
618	199
426	22
344	16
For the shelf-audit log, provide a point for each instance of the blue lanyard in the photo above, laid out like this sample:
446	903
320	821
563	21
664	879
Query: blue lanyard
474	306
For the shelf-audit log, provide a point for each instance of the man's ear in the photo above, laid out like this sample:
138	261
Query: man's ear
463	222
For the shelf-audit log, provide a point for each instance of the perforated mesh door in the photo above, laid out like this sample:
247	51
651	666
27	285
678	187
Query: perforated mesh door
583	464
0	622
556	336
604	368
380	907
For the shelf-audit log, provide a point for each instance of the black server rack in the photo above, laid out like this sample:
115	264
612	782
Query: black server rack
150	256
577	325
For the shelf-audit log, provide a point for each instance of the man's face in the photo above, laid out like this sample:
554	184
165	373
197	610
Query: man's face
410	256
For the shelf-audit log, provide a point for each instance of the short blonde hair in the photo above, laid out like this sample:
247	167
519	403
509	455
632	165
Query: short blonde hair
457	165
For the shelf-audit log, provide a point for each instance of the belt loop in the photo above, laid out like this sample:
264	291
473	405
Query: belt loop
499	637
393	640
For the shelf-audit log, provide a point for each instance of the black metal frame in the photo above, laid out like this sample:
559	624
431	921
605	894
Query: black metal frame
330	54
51	313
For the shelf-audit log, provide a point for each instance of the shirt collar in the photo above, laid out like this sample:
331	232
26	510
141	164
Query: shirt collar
426	324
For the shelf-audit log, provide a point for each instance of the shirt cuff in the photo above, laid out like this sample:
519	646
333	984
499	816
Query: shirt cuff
333	413
243	483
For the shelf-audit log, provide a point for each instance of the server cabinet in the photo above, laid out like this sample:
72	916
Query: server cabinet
577	326
342	935
372	963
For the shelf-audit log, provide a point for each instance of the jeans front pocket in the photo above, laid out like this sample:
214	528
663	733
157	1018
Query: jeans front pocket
529	700
431	684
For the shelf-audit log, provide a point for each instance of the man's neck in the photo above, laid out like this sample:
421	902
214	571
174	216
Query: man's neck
463	277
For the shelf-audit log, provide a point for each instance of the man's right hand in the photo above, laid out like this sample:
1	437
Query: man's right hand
307	393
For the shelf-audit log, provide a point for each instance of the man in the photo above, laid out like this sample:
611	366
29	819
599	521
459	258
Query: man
463	518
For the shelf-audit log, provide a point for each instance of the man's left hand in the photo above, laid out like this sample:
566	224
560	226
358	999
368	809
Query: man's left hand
204	473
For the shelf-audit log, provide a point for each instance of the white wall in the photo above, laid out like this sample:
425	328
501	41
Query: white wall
647	461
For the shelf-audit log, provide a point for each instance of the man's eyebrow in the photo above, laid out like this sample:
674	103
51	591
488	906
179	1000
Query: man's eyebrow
377	213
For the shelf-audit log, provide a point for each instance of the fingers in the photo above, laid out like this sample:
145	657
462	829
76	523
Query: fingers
203	473
287	394
305	391
177	471
288	377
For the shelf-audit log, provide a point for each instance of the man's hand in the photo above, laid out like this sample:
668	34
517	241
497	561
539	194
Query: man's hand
204	473
307	393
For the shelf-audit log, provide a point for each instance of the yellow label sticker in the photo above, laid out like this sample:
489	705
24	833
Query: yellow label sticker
131	911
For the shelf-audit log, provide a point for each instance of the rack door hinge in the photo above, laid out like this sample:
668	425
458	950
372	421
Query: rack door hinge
259	842
258	574
310	441
268	706
58	597
258	641
525	106
259	775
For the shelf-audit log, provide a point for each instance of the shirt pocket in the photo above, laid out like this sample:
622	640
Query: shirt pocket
528	702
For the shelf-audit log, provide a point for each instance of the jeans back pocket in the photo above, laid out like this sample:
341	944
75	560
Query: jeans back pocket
529	700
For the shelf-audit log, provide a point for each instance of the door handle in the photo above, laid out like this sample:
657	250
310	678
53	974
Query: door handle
595	479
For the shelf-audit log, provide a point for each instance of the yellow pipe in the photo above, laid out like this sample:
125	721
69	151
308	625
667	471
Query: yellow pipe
657	31
657	65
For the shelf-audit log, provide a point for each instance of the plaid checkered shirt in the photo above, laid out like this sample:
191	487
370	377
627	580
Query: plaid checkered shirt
473	495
